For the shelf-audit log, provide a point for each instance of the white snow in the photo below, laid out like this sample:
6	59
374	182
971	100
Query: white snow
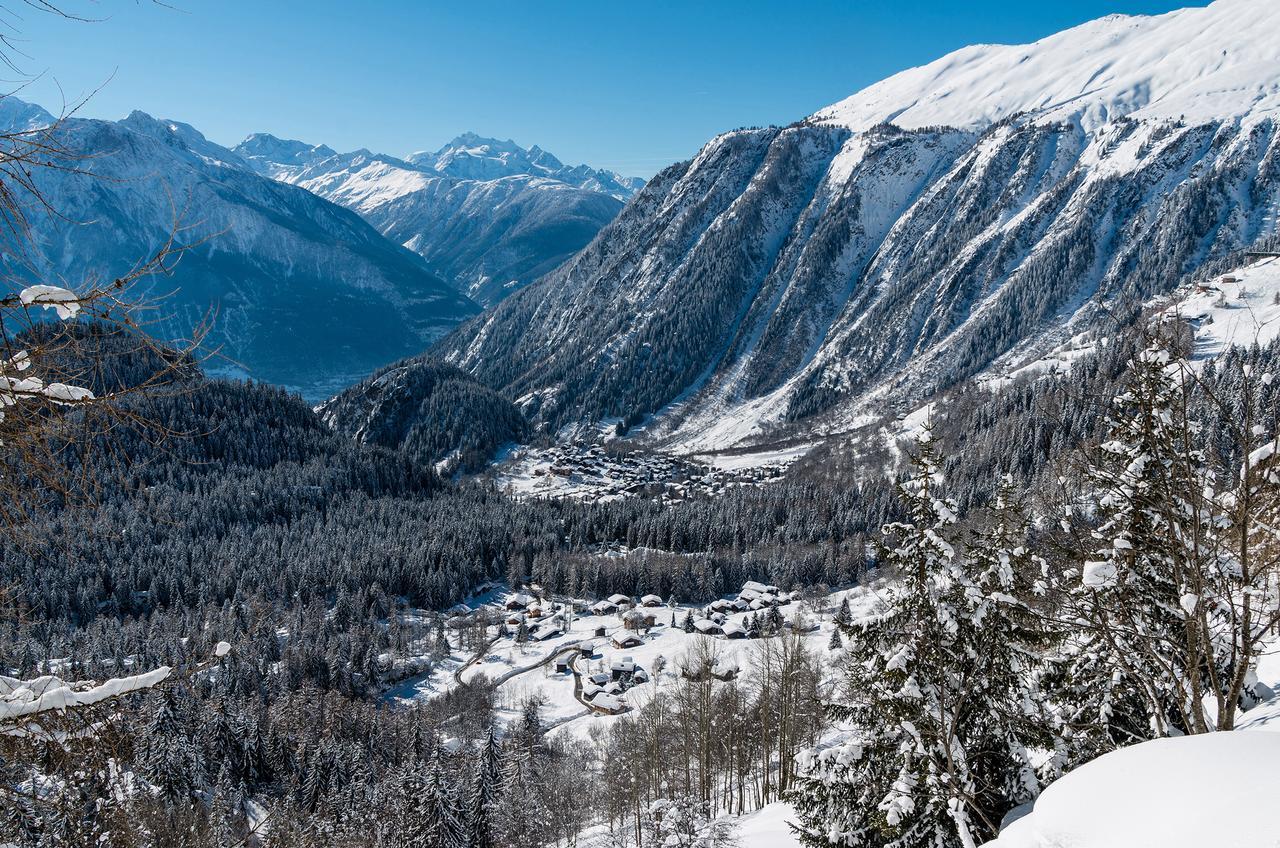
64	301
1185	792
1233	309
19	698
1196	64
768	827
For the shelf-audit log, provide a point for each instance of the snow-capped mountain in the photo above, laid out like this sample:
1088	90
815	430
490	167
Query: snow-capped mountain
490	219
474	157
301	291
949	218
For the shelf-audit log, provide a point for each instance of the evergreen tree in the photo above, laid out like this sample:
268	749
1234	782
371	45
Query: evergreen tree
486	790
933	759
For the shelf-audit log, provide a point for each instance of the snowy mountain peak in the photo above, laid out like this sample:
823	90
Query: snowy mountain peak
272	156
1197	64
20	116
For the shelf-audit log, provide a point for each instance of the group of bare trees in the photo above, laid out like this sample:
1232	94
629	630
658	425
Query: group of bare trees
712	737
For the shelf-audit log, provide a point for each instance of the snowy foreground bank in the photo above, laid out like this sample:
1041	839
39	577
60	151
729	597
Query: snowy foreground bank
1188	792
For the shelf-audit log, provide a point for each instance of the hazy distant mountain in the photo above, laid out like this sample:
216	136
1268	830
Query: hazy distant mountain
488	216
474	157
945	219
304	293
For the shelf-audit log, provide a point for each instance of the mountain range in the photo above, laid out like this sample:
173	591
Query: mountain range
489	216
299	290
953	219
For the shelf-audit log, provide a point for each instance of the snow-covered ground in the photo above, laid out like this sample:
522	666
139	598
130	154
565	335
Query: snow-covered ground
768	828
1237	308
1187	792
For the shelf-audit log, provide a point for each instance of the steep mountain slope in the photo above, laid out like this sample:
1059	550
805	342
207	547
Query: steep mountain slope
951	217
488	216
302	292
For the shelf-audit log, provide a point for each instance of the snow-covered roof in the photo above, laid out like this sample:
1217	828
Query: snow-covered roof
705	625
651	599
619	599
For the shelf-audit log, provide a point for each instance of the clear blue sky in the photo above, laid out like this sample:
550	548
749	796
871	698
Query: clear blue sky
630	86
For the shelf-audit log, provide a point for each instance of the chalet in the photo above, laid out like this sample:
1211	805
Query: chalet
621	667
563	664
639	675
629	639
600	631
651	601
1228	278
604	608
619	600
721	606
519	601
600	678
606	703
759	588
515	619
734	630
707	627
533	611
587	649
637	620
542	634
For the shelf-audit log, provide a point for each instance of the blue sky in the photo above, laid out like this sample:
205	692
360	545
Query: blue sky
629	86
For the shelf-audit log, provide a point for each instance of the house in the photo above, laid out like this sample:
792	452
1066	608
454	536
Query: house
707	627
629	639
562	664
604	608
1228	278
734	630
619	600
600	678
599	631
587	649
759	588
639	675
533	611
637	620
544	633
621	666
607	703
651	601
515	619
519	601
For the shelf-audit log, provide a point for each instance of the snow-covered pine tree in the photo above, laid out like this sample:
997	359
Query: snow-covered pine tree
1155	614
173	762
442	821
486	790
927	760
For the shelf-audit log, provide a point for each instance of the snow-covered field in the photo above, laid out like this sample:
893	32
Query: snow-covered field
1237	308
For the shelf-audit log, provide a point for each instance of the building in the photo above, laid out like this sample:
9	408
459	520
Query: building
629	639
651	601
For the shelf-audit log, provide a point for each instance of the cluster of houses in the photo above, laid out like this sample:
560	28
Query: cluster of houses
588	470
603	689
541	620
754	597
